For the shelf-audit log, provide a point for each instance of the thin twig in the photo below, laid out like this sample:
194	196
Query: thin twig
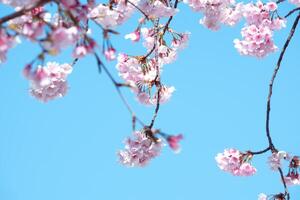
273	80
260	152
271	145
117	86
291	12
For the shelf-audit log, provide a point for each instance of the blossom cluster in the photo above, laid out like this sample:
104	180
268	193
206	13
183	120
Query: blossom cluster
48	82
258	32
293	176
217	12
144	146
235	162
275	159
6	42
139	150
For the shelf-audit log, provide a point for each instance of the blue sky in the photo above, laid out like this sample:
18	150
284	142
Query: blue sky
66	149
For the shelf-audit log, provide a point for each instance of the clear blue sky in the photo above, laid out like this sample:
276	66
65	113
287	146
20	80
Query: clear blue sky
66	149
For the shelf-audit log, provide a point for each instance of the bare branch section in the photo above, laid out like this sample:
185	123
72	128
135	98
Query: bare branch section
271	84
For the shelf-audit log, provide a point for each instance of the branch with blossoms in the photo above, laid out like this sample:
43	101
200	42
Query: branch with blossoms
67	24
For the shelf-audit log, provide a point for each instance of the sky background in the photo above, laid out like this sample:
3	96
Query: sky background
66	149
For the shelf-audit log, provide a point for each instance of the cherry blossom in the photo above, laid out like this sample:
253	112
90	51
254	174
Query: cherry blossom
216	12
157	9
296	2
235	162
19	3
275	159
293	177
110	54
173	141
258	32
61	38
48	82
134	36
262	196
6	42
139	150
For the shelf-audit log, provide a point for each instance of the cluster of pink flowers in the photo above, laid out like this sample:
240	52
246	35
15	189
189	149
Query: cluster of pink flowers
293	177
216	12
19	3
48	82
6	42
140	74
258	32
139	150
61	38
235	162
109	16
157	9
296	2
275	159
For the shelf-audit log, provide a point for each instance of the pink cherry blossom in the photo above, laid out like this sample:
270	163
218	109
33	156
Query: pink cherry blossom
19	3
157	9
262	196
293	178
173	141
139	150
216	12
258	32
110	17
48	82
110	54
61	38
296	2
275	159
134	36
6	42
235	162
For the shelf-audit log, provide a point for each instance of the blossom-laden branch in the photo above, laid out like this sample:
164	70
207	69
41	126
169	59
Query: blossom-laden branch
68	26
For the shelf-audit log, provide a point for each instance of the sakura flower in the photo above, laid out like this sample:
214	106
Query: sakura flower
110	54
275	159
157	9
216	12
235	162
134	37
257	34
262	196
173	141
293	177
110	17
6	42
139	150
296	2
61	38
181	42
19	3
257	41
80	52
48	82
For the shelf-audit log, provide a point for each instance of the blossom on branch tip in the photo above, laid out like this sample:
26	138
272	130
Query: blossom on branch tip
48	82
235	162
275	159
293	177
173	141
262	196
139	150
